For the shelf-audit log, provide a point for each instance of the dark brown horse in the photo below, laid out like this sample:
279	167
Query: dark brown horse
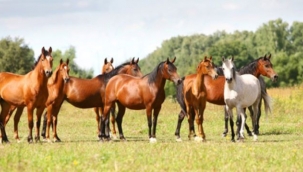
89	93
195	94
138	93
29	90
215	89
55	88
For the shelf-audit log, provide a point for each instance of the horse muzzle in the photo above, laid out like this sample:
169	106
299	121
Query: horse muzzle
274	78
48	73
228	80
66	80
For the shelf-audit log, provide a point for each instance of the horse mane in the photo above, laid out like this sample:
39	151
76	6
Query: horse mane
37	61
180	95
153	74
114	72
250	68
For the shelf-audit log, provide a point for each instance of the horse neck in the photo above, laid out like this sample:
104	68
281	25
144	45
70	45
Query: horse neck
38	75
160	80
56	79
198	85
251	69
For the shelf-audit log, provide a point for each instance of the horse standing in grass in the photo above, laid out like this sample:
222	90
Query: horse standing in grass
195	94
29	90
138	93
55	86
240	91
89	93
215	90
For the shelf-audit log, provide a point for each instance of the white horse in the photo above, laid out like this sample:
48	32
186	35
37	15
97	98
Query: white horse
240	91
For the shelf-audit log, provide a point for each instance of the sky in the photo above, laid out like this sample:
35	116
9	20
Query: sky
123	29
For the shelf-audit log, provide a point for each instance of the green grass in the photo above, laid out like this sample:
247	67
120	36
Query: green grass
279	146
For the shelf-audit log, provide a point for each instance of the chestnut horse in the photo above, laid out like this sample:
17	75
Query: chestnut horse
55	86
138	93
215	89
195	94
28	90
89	93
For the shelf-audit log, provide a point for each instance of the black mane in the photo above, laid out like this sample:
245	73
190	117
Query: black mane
250	68
114	72
153	74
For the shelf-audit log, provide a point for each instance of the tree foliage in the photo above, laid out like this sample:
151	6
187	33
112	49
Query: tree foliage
283	41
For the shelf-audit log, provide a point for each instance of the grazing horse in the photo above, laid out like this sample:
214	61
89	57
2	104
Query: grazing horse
215	88
55	86
29	90
240	91
195	94
138	93
89	93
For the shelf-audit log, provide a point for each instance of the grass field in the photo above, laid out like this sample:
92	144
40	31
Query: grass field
279	146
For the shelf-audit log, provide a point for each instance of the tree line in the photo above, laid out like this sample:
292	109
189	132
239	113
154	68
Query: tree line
17	57
283	41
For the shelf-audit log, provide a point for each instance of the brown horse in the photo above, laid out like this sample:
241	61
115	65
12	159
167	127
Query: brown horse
89	93
106	68
28	90
195	93
215	88
55	88
138	93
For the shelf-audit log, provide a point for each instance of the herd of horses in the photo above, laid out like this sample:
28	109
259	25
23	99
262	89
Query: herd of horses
125	87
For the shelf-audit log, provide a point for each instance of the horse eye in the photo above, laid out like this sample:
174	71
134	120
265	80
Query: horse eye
267	66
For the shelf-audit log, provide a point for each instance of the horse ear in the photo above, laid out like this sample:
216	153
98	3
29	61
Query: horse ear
223	58
137	60
205	58
105	61
133	61
61	61
50	50
173	60
43	51
269	56
67	61
111	60
210	58
232	58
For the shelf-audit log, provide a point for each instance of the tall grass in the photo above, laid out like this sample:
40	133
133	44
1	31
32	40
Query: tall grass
279	146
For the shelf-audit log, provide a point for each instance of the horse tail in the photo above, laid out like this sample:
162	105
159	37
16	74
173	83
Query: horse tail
180	96
265	96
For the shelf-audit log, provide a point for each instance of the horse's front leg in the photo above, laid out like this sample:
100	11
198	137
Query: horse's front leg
230	116
104	130
155	120
5	107
149	123
113	121
97	110
121	112
225	122
39	113
242	116
200	119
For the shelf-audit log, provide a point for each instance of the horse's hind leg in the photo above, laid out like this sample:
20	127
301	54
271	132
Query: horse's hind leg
44	123
246	126
16	122
97	110
5	107
119	119
181	116
113	121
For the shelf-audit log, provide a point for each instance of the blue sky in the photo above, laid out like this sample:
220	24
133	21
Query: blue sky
125	29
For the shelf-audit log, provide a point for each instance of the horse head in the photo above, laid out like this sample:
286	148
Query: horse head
266	68
134	69
108	66
206	67
46	61
64	69
229	70
169	71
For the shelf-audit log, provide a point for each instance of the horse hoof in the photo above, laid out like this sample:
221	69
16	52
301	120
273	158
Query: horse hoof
152	140
179	139
255	137
249	133
198	139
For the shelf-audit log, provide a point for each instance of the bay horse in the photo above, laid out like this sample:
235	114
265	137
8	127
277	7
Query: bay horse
215	90
89	93
240	91
29	90
138	93
195	94
55	86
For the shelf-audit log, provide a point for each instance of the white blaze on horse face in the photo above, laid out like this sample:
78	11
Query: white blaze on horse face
227	69
48	58
65	67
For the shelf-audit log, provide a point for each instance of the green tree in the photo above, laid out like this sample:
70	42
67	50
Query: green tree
15	56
